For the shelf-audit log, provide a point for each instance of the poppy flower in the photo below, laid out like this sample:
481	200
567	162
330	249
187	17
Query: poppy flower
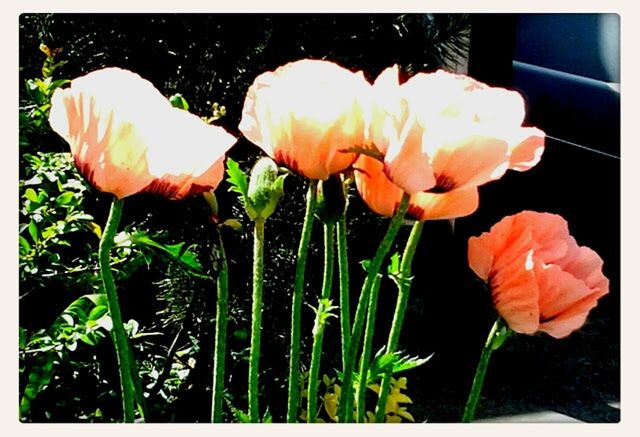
442	135
305	114
540	279
126	138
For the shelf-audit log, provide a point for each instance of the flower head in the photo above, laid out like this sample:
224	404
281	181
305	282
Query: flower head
126	138
540	279
305	114
441	136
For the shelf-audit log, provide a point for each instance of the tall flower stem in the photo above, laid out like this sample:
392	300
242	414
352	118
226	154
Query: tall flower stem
481	370
404	287
123	353
293	390
366	348
346	396
318	326
343	267
256	318
222	311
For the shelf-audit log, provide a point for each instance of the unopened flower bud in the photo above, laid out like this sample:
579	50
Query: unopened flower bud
265	189
330	200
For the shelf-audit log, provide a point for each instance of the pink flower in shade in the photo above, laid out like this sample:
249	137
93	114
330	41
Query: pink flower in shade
540	279
441	136
126	138
304	114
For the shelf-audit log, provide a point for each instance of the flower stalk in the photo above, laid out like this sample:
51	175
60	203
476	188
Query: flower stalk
222	312
494	341
366	349
346	397
404	287
256	318
343	267
319	323
126	365
293	394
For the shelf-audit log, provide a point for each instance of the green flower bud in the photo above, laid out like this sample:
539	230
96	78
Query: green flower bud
265	189
330	200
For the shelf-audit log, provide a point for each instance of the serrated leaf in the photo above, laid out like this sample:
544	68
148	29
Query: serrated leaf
237	178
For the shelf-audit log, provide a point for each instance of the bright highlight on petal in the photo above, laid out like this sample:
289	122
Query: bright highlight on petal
441	136
305	113
126	138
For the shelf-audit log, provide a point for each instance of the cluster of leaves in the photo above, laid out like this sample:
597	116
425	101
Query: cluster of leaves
57	240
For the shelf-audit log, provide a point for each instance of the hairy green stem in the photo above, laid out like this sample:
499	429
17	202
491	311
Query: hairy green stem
366	349
404	287
346	397
318	325
222	311
481	370
343	266
293	390
124	355
256	319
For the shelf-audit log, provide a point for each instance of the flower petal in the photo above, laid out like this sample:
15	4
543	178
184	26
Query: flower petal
527	146
453	204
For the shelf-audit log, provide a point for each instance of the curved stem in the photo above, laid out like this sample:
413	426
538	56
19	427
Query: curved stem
256	319
343	266
124	355
293	390
366	349
478	379
404	287
346	397
318	326
222	311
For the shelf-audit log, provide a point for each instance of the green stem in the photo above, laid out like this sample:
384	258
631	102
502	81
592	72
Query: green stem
346	397
256	319
124	356
293	390
222	311
404	287
481	370
318	326
366	349
343	266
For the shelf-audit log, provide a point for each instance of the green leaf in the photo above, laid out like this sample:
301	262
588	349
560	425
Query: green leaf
31	195
177	101
33	231
237	178
97	312
64	198
25	247
240	415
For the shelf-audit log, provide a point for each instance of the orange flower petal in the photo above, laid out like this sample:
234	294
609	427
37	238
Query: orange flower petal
126	138
564	301
515	294
527	146
461	160
377	191
304	113
453	204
